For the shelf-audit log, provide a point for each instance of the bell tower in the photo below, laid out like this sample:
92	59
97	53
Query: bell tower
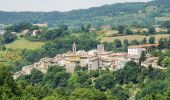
74	47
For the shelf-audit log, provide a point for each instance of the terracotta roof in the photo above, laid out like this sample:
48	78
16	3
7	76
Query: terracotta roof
143	46
119	54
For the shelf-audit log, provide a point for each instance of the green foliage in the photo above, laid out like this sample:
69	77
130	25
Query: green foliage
31	55
73	81
166	24
35	92
84	79
151	30
85	28
129	73
142	57
8	87
128	32
52	34
160	59
134	42
154	97
109	95
35	77
125	42
120	93
3	48
8	37
156	53
163	43
56	77
125	45
154	74
152	40
117	43
108	46
78	68
144	41
105	81
153	88
87	94
21	27
56	97
121	29
166	62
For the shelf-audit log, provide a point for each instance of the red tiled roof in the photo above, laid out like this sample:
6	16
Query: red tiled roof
144	46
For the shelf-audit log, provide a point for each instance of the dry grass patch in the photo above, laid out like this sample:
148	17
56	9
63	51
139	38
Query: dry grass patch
133	37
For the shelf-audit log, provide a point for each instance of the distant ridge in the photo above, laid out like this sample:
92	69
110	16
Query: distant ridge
115	14
162	1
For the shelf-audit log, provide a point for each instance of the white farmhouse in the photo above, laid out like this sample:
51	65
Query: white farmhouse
134	50
137	49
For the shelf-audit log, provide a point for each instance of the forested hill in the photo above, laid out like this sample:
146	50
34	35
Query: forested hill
122	13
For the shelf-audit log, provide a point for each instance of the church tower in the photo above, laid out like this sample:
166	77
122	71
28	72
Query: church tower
74	47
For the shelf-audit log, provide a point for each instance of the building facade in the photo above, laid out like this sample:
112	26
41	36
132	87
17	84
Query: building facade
134	51
137	49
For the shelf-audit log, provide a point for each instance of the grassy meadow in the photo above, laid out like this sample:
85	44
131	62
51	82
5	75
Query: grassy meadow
22	43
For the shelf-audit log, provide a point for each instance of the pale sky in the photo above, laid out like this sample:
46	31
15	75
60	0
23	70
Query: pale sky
55	5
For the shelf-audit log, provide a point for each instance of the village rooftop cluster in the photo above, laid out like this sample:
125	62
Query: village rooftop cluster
93	59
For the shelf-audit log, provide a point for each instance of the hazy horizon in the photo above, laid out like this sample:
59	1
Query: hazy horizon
56	5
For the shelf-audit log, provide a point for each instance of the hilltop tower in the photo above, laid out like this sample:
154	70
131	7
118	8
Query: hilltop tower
100	48
74	47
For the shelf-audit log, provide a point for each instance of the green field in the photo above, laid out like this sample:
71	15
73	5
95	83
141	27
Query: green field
2	53
24	44
133	37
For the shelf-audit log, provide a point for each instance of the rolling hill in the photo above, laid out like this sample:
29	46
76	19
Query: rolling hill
149	13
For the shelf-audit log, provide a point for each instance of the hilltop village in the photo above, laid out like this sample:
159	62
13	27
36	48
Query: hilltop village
93	59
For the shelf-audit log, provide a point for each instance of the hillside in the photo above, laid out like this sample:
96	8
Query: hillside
24	44
122	13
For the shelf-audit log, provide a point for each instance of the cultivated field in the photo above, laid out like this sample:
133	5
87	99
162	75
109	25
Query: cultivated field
133	37
162	18
24	44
